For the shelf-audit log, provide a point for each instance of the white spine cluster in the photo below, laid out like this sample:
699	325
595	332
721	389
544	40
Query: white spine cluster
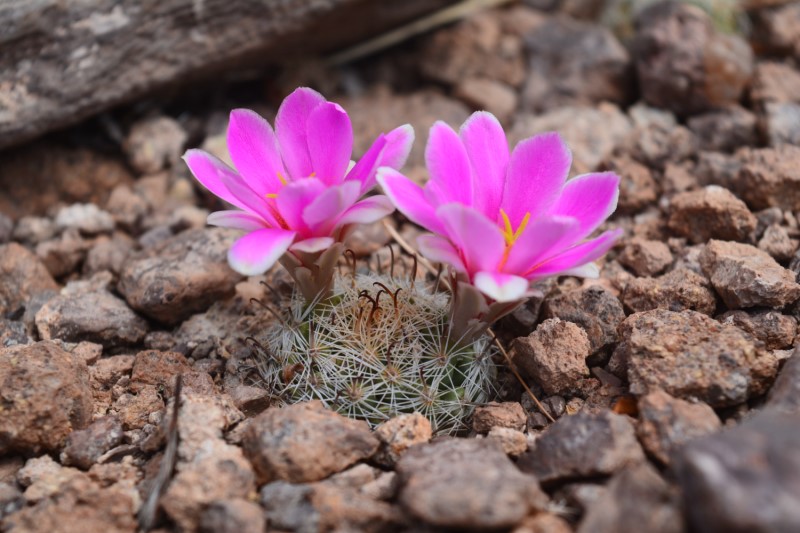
376	348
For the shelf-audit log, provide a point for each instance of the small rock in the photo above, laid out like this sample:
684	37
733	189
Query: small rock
128	208
744	276
637	499
574	62
63	255
775	330
134	409
32	230
782	123
744	479
657	139
485	94
785	393
678	290
690	355
22	276
679	177
769	177
94	316
153	367
544	523
592	133
86	218
493	414
584	445
108	254
181	276
13	333
775	82
513	441
554	355
6	228
85	446
108	370
233	516
724	130
249	399
667	423
45	396
777	243
645	257
154	143
775	30
593	308
466	483
305	442
684	64
399	434
637	187
711	213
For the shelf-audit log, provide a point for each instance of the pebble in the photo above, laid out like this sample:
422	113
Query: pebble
501	415
711	213
678	290
595	309
85	446
400	433
777	331
22	276
645	257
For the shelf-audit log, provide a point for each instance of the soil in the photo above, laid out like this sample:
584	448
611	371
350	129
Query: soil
667	388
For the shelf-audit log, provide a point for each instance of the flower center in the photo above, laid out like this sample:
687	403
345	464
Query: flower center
282	179
509	234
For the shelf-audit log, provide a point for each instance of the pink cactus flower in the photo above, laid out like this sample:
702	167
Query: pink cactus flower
296	189
505	220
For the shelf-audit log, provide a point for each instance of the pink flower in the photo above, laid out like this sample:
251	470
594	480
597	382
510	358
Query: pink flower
296	189
505	221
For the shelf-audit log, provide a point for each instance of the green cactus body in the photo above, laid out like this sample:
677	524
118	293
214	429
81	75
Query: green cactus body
378	347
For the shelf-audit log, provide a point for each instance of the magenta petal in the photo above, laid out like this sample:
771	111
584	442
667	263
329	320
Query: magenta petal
398	147
212	174
312	245
501	287
541	239
591	198
256	252
448	164
487	148
236	220
440	250
364	171
254	151
247	197
536	173
295	197
479	241
330	142
409	199
291	125
366	211
321	214
576	256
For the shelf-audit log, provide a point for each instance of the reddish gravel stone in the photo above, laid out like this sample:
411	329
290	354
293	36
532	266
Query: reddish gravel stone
769	177
678	290
775	330
85	446
22	276
504	415
744	276
711	213
645	257
399	434
594	309
638	188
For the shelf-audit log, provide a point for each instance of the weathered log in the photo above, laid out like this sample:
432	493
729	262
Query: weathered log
63	60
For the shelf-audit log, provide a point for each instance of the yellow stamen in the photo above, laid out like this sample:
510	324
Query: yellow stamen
509	234
280	177
312	175
271	195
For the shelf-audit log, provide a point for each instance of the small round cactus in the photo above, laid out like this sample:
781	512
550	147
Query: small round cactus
376	348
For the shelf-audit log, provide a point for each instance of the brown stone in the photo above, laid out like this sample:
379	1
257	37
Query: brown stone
504	415
45	396
554	355
593	308
484	94
657	138
491	493
777	243
690	355
678	290
514	442
154	143
233	516
711	213
108	253
667	423
64	254
725	130
22	276
85	446
305	442
769	177
744	276
544	523
153	367
637	188
399	434
645	257
785	393
775	330
583	445
134	409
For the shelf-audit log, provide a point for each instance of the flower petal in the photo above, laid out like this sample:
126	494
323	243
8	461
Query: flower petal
479	241
576	256
295	197
536	173
591	198
367	211
254	151
257	251
236	220
209	171
330	142
487	148
440	250
249	198
541	239
364	171
409	199
291	128
314	244
325	209
501	287
448	164
398	146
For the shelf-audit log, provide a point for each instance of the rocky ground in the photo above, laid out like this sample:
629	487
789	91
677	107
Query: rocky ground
671	380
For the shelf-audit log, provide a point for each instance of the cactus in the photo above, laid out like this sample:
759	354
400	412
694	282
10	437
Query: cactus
378	347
